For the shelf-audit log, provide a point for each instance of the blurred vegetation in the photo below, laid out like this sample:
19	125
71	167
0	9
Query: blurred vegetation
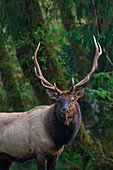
65	29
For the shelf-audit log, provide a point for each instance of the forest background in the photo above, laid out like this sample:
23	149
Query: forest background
65	29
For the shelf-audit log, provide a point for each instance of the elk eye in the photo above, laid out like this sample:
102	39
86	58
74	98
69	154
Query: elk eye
72	100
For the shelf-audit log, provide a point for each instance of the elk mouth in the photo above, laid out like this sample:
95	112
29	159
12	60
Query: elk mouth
65	115
67	118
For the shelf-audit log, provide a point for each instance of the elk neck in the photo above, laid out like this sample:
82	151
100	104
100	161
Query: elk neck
61	133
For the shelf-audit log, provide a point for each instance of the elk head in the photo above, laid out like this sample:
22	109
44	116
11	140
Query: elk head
66	100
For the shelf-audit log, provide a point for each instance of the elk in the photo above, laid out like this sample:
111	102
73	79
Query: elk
42	132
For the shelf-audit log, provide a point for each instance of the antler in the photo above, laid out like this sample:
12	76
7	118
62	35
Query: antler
44	82
94	67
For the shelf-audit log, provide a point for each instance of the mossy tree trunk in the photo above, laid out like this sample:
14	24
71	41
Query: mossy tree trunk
83	139
68	20
13	95
47	57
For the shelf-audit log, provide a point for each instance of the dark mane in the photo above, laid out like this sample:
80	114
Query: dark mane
62	134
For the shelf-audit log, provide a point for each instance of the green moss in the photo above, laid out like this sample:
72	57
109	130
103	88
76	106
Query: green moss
11	89
83	140
83	135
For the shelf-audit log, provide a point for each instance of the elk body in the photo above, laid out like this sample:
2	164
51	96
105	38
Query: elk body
42	132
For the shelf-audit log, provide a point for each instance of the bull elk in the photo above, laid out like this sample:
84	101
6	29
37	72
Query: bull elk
42	132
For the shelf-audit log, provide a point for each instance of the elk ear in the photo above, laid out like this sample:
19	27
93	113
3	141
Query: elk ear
52	94
79	94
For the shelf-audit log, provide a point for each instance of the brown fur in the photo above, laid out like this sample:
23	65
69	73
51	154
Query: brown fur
32	134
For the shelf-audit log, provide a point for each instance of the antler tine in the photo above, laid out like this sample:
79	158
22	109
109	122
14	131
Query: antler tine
44	82
36	62
72	84
94	67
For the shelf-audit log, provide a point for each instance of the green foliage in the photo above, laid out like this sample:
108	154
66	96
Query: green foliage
95	159
30	165
17	16
103	92
100	98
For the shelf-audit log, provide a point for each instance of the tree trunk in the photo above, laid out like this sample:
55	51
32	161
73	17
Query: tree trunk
83	138
52	71
68	20
14	100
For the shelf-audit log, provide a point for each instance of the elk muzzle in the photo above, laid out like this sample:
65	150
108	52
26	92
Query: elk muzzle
64	111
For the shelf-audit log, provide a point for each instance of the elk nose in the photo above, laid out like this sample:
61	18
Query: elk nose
64	111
